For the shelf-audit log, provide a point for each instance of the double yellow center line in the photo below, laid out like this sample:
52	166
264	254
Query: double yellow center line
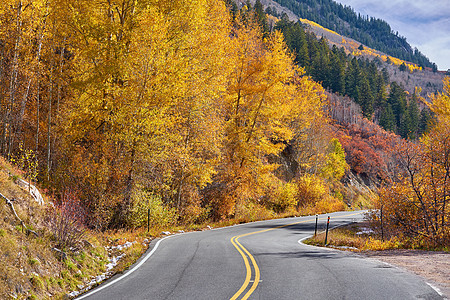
245	253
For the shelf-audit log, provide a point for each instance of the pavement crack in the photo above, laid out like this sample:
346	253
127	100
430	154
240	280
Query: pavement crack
180	277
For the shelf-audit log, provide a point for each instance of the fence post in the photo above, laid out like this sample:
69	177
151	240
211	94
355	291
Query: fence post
315	229
381	221
326	234
148	220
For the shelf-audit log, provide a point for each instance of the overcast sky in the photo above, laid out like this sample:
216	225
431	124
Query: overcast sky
424	23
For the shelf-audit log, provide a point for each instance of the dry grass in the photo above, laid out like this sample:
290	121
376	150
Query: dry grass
359	237
29	268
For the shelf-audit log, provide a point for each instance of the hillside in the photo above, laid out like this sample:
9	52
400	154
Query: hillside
414	75
411	77
375	33
36	262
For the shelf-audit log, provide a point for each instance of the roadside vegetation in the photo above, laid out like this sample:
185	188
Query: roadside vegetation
187	115
362	237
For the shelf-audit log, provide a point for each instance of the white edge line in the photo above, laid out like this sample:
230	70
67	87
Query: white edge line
436	289
103	286
300	241
127	273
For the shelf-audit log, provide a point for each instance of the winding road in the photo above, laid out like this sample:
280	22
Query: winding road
260	260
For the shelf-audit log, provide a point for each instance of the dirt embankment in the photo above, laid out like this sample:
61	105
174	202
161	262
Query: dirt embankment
433	266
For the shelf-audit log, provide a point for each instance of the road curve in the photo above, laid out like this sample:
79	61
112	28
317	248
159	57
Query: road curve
260	260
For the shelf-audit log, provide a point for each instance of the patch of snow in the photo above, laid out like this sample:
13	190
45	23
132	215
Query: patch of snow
120	247
365	231
344	247
74	293
113	261
99	278
166	233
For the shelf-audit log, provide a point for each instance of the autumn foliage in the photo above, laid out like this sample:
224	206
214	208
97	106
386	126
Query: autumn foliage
178	106
416	204
369	149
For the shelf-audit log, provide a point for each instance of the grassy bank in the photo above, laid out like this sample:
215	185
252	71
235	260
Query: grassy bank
361	237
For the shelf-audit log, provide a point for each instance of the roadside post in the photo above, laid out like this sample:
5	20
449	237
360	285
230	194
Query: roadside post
148	220
326	234
315	229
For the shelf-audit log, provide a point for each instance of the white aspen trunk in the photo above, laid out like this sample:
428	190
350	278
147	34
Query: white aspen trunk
49	126
59	87
33	78
12	85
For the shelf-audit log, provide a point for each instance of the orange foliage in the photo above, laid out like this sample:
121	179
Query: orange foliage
369	149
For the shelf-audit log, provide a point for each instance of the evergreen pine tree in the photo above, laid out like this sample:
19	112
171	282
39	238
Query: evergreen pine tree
387	119
414	117
397	100
366	99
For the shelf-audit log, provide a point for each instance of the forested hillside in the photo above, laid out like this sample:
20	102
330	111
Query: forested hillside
373	32
365	81
172	106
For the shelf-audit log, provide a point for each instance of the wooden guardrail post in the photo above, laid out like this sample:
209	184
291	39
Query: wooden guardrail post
326	234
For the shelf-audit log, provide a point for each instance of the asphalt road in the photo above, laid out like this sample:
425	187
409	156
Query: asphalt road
261	260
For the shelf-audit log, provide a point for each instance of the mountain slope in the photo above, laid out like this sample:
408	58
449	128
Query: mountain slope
374	33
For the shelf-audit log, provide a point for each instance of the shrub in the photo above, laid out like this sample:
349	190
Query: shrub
160	215
283	197
311	189
66	222
250	211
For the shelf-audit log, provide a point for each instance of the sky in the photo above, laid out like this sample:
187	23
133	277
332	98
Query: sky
424	23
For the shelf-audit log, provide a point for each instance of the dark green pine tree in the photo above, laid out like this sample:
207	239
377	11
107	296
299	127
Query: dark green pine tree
397	100
366	99
425	119
352	78
414	116
405	126
380	92
303	56
261	16
337	73
295	38
387	119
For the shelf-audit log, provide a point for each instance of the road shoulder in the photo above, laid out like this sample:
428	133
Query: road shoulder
433	266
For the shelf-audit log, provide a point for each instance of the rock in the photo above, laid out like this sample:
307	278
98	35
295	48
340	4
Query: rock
34	192
62	254
166	233
86	243
19	288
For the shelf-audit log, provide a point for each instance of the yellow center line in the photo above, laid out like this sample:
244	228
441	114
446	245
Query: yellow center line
247	267
238	246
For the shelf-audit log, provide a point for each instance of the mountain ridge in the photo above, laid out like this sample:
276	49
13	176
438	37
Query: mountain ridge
372	32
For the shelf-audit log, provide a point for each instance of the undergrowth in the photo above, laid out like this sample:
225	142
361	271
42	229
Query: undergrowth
360	237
